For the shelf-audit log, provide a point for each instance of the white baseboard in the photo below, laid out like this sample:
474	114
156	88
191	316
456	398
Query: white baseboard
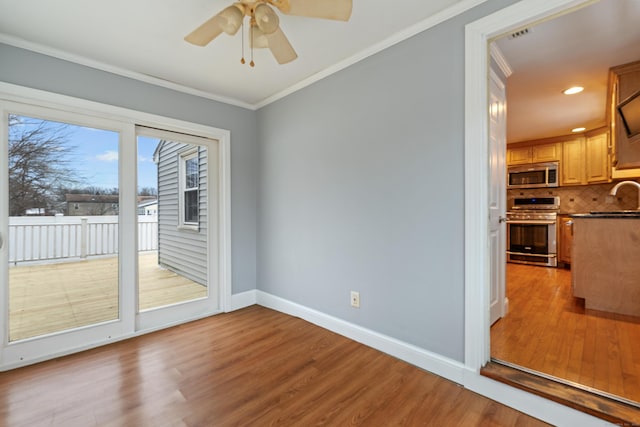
421	358
242	300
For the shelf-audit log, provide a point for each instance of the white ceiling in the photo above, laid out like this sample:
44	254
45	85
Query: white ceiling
574	49
145	37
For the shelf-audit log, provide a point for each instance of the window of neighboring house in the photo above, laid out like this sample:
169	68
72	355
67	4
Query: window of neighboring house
189	180
75	206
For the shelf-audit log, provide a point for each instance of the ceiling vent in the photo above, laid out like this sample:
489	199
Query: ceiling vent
520	33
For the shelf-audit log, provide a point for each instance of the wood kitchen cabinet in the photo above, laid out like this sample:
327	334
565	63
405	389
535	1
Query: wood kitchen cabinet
573	162
624	81
538	153
597	158
605	262
583	159
586	160
565	239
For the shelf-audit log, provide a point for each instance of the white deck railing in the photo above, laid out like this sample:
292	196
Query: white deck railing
56	237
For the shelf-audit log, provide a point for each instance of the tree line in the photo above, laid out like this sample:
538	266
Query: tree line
40	173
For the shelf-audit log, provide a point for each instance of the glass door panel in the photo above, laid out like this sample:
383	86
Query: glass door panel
173	230
63	204
529	238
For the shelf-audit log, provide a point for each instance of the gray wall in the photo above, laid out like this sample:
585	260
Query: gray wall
362	188
179	250
38	71
360	180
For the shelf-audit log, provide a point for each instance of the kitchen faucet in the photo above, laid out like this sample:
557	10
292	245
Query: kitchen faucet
614	190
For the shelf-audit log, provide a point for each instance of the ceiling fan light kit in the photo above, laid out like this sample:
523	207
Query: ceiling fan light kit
264	30
231	19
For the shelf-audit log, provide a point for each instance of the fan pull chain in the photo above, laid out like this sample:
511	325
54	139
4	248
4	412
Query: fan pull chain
242	31
251	41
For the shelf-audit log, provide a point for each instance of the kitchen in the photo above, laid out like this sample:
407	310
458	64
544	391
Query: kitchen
562	322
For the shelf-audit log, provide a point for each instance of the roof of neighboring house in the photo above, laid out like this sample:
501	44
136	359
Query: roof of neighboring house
149	202
147	198
92	198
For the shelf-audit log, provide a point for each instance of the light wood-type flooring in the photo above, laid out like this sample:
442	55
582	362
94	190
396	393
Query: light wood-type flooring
53	297
549	331
253	367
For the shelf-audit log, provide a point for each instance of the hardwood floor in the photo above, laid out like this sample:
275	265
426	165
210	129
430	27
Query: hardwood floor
53	297
252	367
549	331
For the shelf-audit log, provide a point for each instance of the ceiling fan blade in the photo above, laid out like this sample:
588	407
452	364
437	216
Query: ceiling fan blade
280	47
339	10
206	32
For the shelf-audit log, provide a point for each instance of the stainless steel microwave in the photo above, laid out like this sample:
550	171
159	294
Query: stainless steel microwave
535	175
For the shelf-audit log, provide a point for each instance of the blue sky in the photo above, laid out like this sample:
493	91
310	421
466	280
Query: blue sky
97	151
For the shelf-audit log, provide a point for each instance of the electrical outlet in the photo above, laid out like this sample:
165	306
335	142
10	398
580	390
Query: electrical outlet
355	299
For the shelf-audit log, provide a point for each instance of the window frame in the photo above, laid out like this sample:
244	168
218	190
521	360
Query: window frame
183	158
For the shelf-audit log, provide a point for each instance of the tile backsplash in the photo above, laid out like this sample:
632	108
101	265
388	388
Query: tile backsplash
583	198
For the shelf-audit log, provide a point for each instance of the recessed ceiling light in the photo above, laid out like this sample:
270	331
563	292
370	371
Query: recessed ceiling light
576	130
573	90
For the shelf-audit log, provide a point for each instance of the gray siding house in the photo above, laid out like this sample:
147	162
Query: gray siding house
182	209
91	204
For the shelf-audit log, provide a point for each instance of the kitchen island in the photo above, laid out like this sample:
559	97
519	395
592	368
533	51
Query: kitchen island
606	261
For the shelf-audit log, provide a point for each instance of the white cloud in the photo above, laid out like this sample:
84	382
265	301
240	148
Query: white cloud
108	156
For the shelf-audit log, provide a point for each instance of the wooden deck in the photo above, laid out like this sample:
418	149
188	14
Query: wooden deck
54	297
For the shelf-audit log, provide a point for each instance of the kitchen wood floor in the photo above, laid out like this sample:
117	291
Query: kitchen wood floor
252	367
549	331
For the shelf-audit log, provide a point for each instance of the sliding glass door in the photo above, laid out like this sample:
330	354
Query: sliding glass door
63	238
177	222
62	234
108	229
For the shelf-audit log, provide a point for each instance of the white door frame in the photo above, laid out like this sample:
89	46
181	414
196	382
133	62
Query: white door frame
478	34
40	348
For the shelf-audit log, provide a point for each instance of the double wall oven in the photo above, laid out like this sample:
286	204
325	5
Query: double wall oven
531	231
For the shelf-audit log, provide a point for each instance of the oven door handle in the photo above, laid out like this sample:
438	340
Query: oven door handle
530	254
531	221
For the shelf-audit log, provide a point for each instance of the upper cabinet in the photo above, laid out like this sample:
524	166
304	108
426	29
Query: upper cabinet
573	164
597	158
624	81
584	159
526	154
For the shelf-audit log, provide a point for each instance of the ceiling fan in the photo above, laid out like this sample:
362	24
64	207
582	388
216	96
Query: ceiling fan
264	30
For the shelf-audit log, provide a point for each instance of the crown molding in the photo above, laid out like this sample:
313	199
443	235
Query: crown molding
102	66
433	20
502	62
396	38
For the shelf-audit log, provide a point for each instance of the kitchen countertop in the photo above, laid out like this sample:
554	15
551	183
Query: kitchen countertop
635	214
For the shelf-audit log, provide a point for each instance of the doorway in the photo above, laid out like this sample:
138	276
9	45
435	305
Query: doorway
517	19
